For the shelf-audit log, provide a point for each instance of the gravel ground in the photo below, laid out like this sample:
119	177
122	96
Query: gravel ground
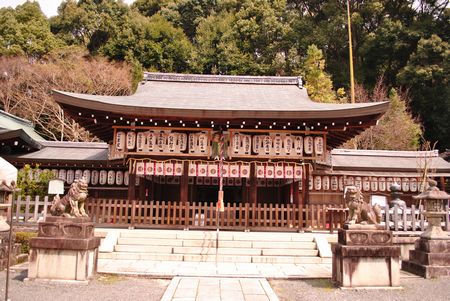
102	288
414	289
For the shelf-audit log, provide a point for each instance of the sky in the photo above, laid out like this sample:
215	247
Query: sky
49	7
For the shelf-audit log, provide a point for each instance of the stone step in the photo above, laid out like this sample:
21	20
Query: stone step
211	258
212	243
223	235
144	249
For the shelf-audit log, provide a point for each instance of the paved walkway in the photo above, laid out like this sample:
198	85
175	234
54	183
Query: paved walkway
219	289
210	269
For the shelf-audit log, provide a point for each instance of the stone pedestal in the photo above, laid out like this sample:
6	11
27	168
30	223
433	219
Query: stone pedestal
365	257
430	258
65	249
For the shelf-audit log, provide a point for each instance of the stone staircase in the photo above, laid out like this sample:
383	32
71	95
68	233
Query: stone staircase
200	246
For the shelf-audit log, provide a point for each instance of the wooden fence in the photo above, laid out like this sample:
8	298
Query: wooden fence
193	215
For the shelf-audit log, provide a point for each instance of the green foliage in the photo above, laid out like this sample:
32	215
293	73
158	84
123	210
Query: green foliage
33	182
26	30
23	238
318	82
427	76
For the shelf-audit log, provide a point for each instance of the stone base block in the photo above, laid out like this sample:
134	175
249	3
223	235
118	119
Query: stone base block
56	264
366	266
426	271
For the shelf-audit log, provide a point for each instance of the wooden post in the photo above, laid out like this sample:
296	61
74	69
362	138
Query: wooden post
142	185
132	187
253	185
305	186
184	183
442	183
296	197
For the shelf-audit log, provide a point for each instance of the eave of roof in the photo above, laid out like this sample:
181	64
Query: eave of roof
12	122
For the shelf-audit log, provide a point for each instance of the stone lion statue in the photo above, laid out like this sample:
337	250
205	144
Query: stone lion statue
360	212
72	204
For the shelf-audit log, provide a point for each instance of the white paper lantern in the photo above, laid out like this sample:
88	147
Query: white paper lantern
289	171
103	177
257	144
277	144
159	169
267	144
318	145
111	177
234	170
161	141
140	141
405	184
326	183
94	177
70	176
192	172
172	143
334	183
341	183
213	170
126	178
382	184
169	168
317	182
298	145
119	177
87	175
413	185
298	171
178	169
245	170
358	183
131	140
182	141
366	184
140	168
309	145
236	143
374	184
202	143
270	171
279	172
120	141
288	144
55	173
78	174
151	141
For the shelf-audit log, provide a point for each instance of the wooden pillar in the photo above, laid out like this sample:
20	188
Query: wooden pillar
253	198
442	183
184	183
305	186
244	198
295	197
132	187
142	185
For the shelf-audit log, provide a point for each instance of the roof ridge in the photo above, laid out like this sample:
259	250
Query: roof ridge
16	118
232	79
379	153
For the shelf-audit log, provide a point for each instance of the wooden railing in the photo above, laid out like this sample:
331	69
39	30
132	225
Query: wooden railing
194	215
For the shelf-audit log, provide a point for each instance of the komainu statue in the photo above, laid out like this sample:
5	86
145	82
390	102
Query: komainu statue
72	204
360	212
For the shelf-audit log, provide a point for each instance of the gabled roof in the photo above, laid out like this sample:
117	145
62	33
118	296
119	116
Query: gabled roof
12	122
382	161
218	98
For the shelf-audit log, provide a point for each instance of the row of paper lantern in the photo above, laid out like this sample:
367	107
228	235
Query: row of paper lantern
198	143
153	168
277	144
229	170
93	177
335	183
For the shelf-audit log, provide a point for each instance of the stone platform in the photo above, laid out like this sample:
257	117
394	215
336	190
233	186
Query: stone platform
65	249
430	259
365	258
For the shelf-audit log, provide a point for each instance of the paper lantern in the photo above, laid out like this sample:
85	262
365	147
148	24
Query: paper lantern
62	174
405	184
389	182
267	144
382	184
111	177
341	183
318	145
119	177
298	145
277	144
326	183
169	168
120	141
308	145
149	168
298	171
213	170
279	172
131	140
178	169
192	143
350	181
202	170
161	141
172	143
236	143
366	184
260	171
159	169
234	171
289	171
87	175
257	144
246	145
78	174
413	185
192	172
202	143
311	183
140	168
270	171
70	176
358	182
94	177
225	170
317	182
334	183
151	141
55	173
374	184
288	144
182	141
103	177
126	178
245	170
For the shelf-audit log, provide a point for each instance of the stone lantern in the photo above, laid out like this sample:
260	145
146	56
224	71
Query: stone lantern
396	193
431	256
434	200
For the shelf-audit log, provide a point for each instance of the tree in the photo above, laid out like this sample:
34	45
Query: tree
25	30
318	82
427	76
25	89
396	130
32	181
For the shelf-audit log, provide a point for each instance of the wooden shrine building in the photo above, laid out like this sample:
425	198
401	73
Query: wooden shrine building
168	133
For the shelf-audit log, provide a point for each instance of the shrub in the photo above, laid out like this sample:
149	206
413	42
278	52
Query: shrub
24	239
